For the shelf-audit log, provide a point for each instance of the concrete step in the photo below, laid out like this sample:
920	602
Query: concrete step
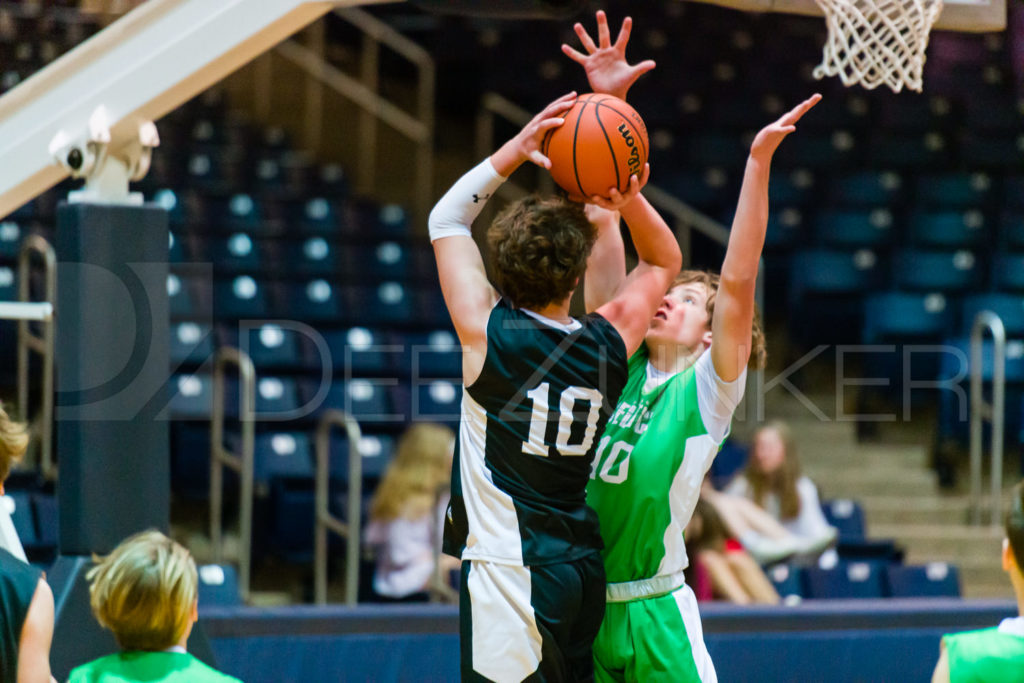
841	456
979	591
902	509
862	482
943	541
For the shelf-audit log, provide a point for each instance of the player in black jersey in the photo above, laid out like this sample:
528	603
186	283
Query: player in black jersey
539	387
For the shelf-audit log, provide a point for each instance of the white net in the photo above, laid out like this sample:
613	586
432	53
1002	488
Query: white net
877	42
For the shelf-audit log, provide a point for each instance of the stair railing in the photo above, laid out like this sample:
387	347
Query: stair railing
325	521
983	411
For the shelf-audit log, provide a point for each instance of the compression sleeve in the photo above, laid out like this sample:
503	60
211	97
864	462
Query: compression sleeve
460	206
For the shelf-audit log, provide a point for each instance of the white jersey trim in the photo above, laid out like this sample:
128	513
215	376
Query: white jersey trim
1013	626
716	398
682	499
493	525
570	326
506	641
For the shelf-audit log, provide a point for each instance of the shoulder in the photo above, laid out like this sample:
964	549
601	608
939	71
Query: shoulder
198	671
90	671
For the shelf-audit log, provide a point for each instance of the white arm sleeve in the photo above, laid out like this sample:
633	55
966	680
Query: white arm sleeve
460	206
716	398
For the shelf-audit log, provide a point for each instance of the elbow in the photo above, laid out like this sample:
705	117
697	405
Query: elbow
738	283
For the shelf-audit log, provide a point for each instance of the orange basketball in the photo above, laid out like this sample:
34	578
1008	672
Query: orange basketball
601	144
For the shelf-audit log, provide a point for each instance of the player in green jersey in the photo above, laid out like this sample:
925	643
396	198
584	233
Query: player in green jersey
993	654
684	385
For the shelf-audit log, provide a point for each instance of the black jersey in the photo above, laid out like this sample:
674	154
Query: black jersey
527	436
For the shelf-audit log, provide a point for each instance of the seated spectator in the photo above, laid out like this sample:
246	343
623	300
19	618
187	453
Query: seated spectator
772	480
720	567
26	601
146	591
993	654
406	516
758	532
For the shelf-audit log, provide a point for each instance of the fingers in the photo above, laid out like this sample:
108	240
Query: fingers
563	103
603	34
623	39
538	158
643	67
588	43
646	175
799	110
574	55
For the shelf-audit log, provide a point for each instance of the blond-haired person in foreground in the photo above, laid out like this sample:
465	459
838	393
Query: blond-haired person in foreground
145	592
26	601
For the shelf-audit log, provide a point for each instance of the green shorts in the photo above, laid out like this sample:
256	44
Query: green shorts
653	639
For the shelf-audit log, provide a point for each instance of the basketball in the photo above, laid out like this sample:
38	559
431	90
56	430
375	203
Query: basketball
601	144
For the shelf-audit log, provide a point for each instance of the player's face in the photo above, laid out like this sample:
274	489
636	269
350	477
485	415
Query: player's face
682	317
769	450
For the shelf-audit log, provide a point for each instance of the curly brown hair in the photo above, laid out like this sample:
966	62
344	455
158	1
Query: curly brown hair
539	248
13	442
711	281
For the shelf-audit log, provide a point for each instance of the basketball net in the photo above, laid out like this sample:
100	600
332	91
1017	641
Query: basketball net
875	42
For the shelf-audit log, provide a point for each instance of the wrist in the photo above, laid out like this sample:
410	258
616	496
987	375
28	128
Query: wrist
507	159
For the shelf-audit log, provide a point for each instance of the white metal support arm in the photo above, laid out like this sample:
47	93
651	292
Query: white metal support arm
142	66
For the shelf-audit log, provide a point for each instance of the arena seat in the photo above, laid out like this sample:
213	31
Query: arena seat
901	315
1011	230
866	188
854	229
936	271
312	256
282	454
432	354
1008	272
954	191
218	586
269	345
317	301
948	229
243	297
789	581
847	516
1009	308
23	517
357	351
937	579
846	580
191	343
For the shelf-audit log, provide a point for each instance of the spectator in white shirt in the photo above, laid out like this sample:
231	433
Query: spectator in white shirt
772	480
406	516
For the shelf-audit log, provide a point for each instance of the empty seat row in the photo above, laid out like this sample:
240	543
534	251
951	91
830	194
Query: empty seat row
866	580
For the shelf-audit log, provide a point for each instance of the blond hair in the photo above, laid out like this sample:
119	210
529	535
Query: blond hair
144	591
711	282
13	442
421	467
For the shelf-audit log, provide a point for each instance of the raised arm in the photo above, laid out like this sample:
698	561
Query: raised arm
734	303
639	296
468	294
606	267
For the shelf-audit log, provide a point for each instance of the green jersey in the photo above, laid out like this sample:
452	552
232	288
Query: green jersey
651	461
172	667
991	654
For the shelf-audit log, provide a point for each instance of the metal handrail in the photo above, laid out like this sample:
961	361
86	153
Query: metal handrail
42	344
994	412
364	93
240	462
439	589
324	519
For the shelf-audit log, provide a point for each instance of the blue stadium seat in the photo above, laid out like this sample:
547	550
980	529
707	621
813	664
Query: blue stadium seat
936	271
23	517
358	350
913	114
191	342
387	304
437	401
833	272
317	301
954	190
1013	192
8	284
910	151
833	150
377	451
191	397
902	316
312	256
366	400
847	516
276	397
240	251
185	299
990	151
846	580
710	189
1011	230
432	354
796	188
785	228
10	241
866	188
242	297
936	579
788	580
175	248
319	216
1008	272
715	149
190	459
948	229
1009	307
383	261
731	459
283	454
870	228
270	346
47	520
218	586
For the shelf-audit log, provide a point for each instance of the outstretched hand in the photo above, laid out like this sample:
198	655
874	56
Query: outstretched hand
615	200
769	137
605	64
